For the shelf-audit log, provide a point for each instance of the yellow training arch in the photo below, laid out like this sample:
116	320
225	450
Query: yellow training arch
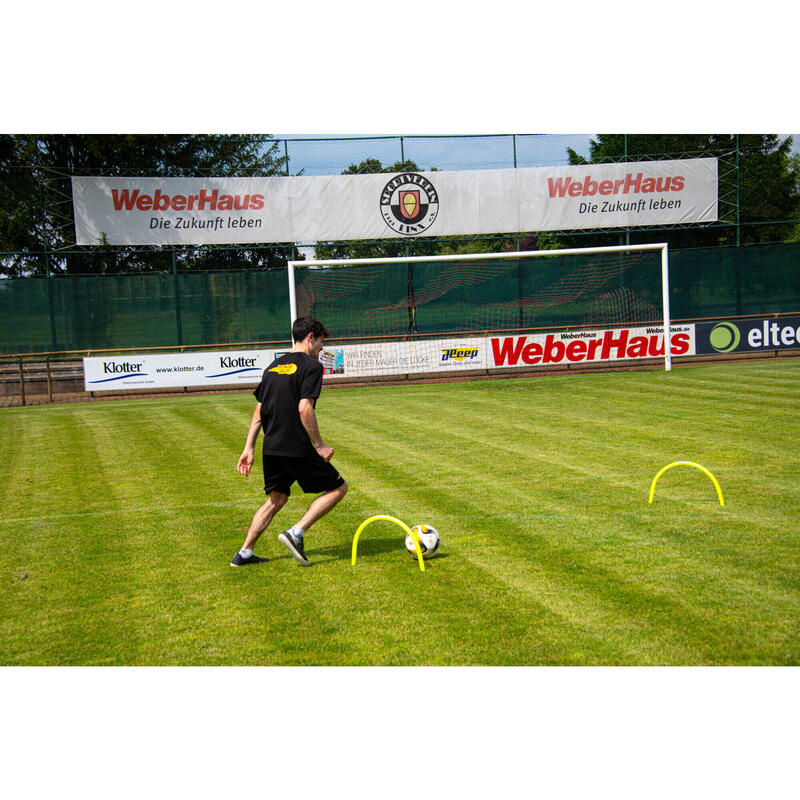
396	521
688	464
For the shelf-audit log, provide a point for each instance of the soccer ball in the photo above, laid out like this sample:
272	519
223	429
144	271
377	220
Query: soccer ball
429	541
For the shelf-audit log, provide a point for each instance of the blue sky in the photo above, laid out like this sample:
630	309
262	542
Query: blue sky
320	154
319	157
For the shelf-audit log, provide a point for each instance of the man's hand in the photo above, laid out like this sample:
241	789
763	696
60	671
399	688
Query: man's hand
325	452
246	461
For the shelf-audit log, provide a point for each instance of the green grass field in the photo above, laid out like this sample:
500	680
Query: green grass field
120	519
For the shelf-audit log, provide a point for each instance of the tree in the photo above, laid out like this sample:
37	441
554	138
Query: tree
794	236
36	213
20	225
766	177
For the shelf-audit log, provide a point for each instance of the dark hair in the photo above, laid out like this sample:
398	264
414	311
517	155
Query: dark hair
305	325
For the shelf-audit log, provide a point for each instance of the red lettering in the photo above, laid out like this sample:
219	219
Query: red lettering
679	344
124	200
576	350
563	187
160	201
610	342
206	198
656	346
551	345
509	350
633	183
144	202
532	353
593	347
178	202
256	201
637	347
558	188
589	187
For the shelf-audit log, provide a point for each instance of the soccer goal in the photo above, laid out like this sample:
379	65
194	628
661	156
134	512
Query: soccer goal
411	298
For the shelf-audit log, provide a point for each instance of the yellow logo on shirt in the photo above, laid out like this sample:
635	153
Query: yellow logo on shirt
284	369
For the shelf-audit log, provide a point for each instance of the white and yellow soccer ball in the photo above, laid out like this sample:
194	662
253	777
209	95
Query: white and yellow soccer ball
429	541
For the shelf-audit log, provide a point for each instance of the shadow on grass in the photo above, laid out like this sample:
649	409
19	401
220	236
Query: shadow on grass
366	549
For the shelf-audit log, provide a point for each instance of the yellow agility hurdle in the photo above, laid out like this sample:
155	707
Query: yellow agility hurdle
396	521
688	464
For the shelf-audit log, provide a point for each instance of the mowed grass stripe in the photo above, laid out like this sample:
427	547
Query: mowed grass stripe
75	619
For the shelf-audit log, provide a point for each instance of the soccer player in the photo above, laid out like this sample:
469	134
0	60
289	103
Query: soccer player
293	447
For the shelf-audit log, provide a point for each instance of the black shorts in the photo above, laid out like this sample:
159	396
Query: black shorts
313	473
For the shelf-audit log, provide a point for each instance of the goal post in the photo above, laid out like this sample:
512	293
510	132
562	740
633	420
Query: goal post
485	292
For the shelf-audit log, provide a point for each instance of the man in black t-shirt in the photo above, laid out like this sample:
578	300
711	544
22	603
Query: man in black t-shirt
293	447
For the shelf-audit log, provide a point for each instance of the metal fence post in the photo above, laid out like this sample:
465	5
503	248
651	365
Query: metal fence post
738	203
22	380
177	298
49	382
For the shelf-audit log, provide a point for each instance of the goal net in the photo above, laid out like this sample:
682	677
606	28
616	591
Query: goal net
483	294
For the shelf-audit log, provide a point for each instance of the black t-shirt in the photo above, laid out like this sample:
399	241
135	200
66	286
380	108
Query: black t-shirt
285	382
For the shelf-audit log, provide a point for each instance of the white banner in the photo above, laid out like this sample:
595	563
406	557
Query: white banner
498	352
161	211
113	373
581	347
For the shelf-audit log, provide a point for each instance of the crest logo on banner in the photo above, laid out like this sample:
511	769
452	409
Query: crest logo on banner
409	204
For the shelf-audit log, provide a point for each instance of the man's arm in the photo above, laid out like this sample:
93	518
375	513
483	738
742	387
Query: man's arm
309	419
248	454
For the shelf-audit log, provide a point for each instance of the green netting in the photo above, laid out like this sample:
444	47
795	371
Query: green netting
129	311
391	299
735	281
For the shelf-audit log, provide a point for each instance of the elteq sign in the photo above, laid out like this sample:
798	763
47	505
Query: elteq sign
748	336
169	211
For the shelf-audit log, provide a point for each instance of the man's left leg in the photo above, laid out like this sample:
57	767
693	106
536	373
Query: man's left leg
321	506
261	519
293	537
